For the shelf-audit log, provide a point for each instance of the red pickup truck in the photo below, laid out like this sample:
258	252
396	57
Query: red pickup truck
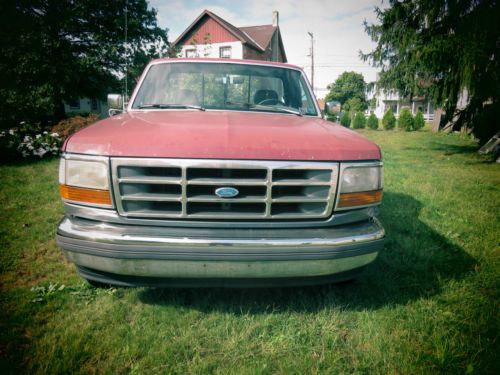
219	173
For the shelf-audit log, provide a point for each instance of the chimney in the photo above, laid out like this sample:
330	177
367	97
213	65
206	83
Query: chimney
276	18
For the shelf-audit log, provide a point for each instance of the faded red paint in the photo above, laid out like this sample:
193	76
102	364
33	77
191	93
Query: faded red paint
210	29
221	135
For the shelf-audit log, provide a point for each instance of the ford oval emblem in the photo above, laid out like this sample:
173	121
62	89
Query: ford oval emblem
226	192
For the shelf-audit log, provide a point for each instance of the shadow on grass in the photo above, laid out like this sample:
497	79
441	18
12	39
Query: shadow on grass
448	149
19	162
415	262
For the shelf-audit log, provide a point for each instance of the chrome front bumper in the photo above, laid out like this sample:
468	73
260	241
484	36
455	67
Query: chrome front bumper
118	253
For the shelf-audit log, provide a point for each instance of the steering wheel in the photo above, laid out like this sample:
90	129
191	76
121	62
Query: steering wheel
275	101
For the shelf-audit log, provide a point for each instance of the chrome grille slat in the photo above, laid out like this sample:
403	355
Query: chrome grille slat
224	200
150	180
226	181
185	188
301	183
150	197
297	199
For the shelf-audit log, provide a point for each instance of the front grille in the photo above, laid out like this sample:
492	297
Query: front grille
185	188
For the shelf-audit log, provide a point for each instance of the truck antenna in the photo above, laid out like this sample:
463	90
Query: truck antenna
126	54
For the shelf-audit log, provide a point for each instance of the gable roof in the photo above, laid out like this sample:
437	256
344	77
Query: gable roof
261	34
239	34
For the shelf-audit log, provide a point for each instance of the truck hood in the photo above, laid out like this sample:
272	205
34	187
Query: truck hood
221	135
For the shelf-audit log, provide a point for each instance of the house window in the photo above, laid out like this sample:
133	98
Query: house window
190	53
393	106
94	104
74	104
225	52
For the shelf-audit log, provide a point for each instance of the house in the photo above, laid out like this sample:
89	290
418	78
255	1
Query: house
391	99
211	36
86	105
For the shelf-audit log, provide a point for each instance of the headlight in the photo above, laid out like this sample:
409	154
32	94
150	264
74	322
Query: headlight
360	185
85	180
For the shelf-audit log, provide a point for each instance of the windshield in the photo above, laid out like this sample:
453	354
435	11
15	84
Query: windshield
236	87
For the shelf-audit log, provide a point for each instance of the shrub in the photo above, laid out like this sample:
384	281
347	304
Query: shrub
332	118
419	121
406	120
71	125
9	140
45	144
345	120
372	122
389	120
27	141
359	121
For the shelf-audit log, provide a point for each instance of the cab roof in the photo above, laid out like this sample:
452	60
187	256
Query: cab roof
230	61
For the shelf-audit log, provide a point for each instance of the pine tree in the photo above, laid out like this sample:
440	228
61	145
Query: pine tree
405	121
359	121
419	121
439	48
372	122
345	120
389	120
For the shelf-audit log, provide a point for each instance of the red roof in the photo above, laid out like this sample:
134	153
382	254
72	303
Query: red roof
260	34
240	35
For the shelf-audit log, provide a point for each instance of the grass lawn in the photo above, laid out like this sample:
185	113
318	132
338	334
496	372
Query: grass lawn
430	303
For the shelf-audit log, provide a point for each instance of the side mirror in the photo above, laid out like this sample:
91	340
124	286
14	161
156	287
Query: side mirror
332	108
115	104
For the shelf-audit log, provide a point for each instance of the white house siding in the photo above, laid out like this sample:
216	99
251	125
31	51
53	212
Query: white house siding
85	106
384	101
212	49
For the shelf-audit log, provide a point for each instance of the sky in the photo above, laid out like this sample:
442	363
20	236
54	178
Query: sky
337	26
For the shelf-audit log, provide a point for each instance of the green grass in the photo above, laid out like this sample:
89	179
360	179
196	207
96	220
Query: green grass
430	303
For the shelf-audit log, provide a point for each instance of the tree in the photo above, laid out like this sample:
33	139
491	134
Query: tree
354	105
372	122
389	120
442	48
345	120
348	85
405	120
359	121
54	51
419	121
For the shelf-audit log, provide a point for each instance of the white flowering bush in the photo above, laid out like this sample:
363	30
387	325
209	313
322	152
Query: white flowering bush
25	143
40	145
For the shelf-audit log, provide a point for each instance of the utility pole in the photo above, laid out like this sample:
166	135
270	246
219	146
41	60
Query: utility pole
312	59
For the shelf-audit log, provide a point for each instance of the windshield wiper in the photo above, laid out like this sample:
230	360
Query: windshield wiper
272	107
279	108
172	106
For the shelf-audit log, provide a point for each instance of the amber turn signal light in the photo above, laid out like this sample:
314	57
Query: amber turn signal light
84	195
359	199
